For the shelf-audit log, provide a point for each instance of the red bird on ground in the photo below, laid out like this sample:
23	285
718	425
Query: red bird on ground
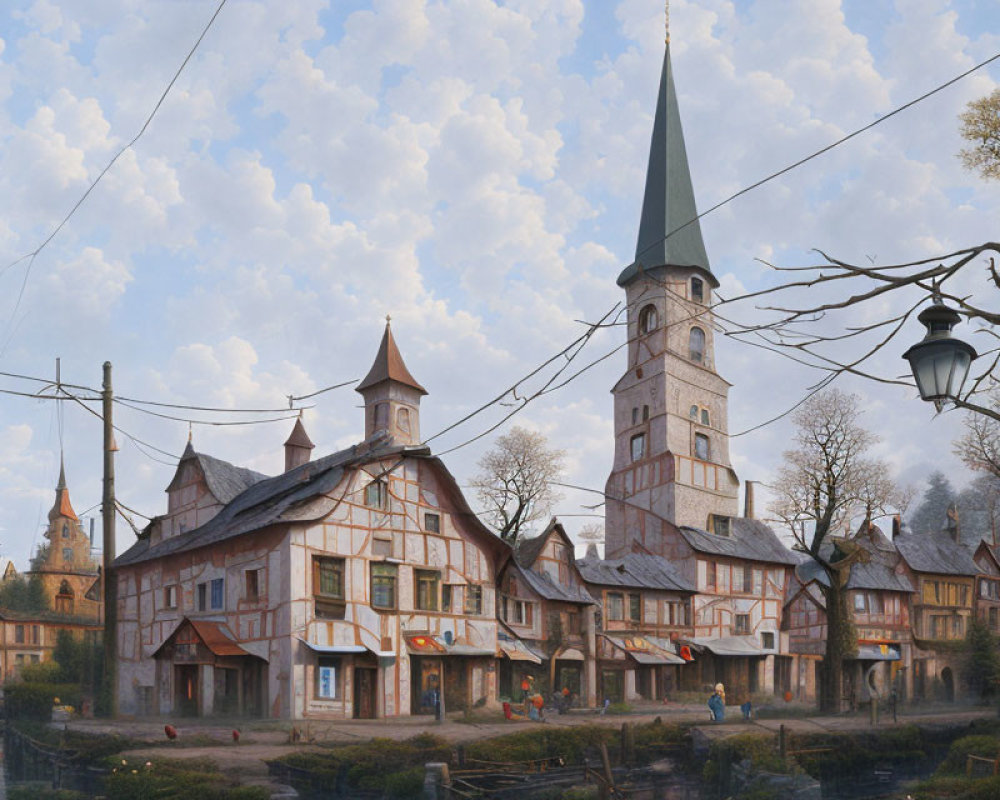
171	732
236	736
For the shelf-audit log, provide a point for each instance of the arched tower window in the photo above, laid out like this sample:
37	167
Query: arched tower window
65	530
698	290
696	345
649	319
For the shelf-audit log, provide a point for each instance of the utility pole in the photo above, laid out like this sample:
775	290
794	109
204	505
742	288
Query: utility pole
110	588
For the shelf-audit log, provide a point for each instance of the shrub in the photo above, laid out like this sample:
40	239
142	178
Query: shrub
978	745
405	785
35	700
175	778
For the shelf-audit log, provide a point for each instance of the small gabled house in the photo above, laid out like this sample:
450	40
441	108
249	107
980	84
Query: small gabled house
878	597
359	584
547	618
740	573
944	575
645	610
987	602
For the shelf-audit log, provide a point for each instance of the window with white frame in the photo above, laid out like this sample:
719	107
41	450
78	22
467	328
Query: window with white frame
327	678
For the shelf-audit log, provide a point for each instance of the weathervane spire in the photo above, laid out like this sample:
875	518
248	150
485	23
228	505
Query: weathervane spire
666	20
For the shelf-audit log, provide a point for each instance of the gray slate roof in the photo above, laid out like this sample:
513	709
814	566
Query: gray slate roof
935	552
226	480
299	495
635	570
749	538
879	573
543	585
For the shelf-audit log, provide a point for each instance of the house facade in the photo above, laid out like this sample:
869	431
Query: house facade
359	584
547	619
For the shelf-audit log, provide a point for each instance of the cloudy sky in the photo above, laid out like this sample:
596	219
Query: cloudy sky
473	168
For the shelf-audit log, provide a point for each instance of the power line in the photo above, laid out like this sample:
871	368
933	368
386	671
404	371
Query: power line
206	422
32	255
292	399
219	409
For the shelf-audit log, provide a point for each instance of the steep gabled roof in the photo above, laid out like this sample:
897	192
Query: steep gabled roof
635	570
527	550
224	480
935	553
543	585
388	366
669	231
298	437
526	553
750	539
305	494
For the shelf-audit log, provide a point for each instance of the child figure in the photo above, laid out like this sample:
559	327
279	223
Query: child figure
717	703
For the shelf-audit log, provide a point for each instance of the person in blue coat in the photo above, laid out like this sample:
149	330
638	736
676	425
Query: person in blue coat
717	703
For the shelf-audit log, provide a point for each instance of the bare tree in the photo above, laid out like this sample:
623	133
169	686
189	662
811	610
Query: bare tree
826	482
515	482
981	126
979	448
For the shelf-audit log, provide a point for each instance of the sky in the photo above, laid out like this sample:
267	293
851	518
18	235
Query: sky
473	169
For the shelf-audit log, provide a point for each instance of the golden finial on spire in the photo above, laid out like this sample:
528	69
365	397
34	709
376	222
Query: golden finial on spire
388	319
666	19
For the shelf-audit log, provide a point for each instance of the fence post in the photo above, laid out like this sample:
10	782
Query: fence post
436	778
782	743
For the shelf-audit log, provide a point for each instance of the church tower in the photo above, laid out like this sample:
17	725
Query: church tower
671	418
392	395
64	563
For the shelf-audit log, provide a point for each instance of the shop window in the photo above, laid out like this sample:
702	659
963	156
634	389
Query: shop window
328	587
427	586
384	586
696	345
327	678
377	494
473	600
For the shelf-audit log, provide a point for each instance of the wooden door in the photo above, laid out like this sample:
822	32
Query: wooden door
364	692
186	689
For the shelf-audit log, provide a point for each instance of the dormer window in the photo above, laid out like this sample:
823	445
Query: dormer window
697	290
696	345
649	319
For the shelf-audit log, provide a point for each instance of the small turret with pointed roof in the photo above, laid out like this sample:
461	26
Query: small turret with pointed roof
392	395
298	446
62	506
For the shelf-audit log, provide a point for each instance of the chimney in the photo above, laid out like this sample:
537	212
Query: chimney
298	447
896	525
748	499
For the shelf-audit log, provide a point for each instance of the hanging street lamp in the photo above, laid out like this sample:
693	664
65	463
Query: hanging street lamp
940	363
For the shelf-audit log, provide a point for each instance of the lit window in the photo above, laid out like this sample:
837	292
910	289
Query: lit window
696	345
648	319
376	494
328	587
701	449
427	582
328	678
432	523
697	290
384	586
638	447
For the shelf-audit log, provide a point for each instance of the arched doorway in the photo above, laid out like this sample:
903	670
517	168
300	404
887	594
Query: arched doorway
948	684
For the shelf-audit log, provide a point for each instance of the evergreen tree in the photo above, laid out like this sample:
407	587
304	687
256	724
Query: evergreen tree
979	510
931	515
981	665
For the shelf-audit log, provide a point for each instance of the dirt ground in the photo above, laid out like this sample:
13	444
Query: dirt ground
262	740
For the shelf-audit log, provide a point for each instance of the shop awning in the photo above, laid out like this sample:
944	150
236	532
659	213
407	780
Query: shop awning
214	636
516	650
570	654
878	652
672	649
343	649
731	646
643	652
427	645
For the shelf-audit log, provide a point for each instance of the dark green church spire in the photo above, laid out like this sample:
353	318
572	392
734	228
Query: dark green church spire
669	200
